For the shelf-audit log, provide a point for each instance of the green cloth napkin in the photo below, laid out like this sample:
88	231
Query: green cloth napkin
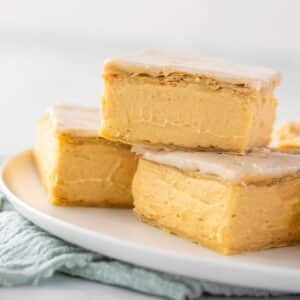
29	255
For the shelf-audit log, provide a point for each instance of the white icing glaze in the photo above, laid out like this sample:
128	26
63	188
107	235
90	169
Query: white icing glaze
156	62
76	119
262	163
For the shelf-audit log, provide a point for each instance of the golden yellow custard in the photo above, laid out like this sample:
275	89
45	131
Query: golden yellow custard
229	203
77	166
159	99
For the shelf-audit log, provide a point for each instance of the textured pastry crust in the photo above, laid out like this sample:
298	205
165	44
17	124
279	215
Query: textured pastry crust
83	170
179	109
159	64
260	166
227	217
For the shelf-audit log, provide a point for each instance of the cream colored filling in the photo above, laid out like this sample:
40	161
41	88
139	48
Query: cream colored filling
147	111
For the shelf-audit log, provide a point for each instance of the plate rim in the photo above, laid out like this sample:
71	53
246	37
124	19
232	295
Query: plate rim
291	276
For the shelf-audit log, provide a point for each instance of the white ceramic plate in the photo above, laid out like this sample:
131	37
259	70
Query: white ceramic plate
117	233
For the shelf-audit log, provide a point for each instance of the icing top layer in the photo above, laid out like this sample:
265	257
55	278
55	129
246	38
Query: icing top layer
257	165
75	119
162	63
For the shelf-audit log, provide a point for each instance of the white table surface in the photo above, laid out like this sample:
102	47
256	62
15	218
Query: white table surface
36	72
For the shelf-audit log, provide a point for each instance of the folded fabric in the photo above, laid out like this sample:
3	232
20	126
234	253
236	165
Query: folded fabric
28	255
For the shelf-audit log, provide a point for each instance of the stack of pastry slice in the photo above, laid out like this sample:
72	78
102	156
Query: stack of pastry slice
201	127
77	166
288	136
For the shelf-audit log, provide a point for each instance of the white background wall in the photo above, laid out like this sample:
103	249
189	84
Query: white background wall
53	50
